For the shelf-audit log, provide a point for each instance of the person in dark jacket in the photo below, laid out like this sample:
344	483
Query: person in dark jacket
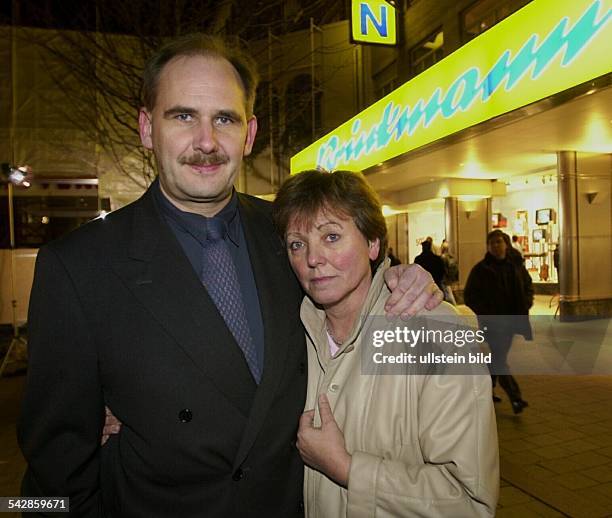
392	257
500	285
432	263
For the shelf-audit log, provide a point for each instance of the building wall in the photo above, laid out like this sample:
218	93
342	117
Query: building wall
341	68
595	226
421	225
472	225
47	136
24	259
337	67
397	232
44	138
416	24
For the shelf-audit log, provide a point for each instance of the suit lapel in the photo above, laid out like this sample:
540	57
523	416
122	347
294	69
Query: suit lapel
271	271
160	276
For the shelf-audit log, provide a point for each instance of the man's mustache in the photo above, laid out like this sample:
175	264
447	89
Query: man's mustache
201	159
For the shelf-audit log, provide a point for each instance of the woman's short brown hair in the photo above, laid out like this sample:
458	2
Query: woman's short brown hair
346	193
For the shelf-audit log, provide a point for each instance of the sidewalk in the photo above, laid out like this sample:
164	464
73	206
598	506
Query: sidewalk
556	457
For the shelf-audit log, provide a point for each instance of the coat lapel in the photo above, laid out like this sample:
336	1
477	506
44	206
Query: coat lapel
275	287
160	276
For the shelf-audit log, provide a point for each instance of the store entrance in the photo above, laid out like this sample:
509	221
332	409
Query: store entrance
528	214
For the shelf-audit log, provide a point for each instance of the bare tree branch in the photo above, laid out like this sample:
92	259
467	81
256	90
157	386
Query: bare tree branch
101	72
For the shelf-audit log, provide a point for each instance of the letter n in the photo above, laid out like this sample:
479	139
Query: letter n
366	14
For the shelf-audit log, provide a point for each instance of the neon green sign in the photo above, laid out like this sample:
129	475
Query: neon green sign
546	47
373	21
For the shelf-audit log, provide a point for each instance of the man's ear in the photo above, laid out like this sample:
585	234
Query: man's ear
250	137
374	249
145	128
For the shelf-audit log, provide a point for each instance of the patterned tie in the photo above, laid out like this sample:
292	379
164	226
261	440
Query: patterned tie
221	281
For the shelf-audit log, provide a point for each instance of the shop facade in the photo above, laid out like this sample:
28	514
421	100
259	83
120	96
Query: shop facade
512	131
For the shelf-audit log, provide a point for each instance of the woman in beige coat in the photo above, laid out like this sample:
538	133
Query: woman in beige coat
375	445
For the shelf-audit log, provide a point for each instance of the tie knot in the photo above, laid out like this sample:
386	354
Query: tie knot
216	229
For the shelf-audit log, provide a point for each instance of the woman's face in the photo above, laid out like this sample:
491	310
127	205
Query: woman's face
498	247
331	259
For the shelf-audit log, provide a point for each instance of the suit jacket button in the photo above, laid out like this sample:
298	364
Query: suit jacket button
238	475
185	415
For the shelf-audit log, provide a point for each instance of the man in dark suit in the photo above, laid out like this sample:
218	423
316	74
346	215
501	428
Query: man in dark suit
124	312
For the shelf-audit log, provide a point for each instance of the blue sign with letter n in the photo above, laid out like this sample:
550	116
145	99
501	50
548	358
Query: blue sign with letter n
368	14
373	21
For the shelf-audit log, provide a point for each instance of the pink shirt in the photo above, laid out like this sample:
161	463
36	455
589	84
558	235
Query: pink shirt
333	348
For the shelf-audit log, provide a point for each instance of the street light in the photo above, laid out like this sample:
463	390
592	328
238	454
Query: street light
13	176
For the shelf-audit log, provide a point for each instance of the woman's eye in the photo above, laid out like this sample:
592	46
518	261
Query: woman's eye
333	237
295	245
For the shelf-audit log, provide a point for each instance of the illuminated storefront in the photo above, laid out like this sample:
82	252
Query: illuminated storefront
546	47
480	140
528	212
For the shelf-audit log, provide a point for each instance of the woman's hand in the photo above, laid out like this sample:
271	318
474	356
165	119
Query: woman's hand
323	448
112	425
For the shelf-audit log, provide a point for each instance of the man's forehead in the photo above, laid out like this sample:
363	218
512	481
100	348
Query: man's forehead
196	75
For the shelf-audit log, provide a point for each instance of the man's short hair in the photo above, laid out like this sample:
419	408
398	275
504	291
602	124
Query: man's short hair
345	193
198	44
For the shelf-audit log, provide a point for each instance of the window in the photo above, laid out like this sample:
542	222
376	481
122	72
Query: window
268	117
385	81
426	53
484	14
387	88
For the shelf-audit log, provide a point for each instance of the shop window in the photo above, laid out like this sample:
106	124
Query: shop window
40	219
528	214
484	14
427	53
387	88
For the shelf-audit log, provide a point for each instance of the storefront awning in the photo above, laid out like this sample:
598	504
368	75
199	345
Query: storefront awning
545	48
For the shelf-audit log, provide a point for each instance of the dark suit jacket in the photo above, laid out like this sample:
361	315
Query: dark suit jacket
118	316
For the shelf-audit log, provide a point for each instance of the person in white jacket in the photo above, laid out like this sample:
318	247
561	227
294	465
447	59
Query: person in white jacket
375	445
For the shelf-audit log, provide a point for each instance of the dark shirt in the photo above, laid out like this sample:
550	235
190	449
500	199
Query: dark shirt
190	231
508	296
